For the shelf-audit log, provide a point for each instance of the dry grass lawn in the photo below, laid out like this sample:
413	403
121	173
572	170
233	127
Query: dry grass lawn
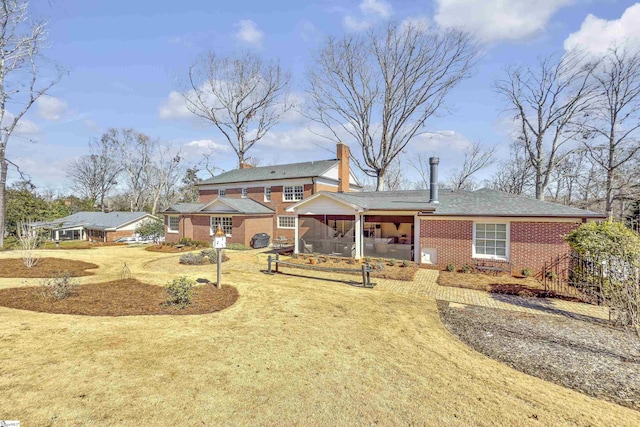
291	351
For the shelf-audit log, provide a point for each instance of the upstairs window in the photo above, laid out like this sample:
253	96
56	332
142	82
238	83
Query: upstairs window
222	192
267	194
244	193
292	193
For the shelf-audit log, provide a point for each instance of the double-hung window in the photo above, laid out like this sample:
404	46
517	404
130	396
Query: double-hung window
173	224
267	194
226	222
491	240
222	192
244	193
287	222
292	193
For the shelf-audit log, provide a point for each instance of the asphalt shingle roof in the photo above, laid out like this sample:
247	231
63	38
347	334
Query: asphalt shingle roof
483	202
263	173
244	206
95	220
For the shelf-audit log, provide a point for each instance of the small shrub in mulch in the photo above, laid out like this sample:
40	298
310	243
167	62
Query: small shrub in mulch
205	257
58	287
399	271
180	291
46	267
119	298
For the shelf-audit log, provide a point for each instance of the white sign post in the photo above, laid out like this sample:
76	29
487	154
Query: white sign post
219	243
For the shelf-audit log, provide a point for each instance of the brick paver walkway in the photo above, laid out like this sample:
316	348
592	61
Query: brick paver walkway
425	284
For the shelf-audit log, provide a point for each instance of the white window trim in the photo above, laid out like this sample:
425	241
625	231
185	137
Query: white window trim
507	244
244	193
222	191
212	231
294	193
287	216
265	194
169	230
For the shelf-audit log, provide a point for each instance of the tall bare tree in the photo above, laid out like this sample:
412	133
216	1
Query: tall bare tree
476	158
94	176
22	78
612	130
546	100
514	175
381	87
163	175
243	97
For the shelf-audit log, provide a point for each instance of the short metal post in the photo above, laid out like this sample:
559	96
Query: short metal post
277	263
269	264
219	283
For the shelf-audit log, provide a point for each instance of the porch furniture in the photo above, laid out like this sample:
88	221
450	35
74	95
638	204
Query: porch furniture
306	247
281	243
494	266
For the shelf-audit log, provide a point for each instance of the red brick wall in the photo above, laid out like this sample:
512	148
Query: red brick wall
114	235
452	239
531	243
243	228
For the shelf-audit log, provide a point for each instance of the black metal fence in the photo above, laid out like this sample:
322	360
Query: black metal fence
575	277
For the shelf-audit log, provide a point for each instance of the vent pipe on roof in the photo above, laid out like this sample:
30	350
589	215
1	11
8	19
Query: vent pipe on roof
433	185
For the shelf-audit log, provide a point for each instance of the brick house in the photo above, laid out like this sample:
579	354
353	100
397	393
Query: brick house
252	200
95	226
435	228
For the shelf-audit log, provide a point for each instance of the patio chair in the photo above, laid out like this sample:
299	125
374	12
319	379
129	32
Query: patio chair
305	247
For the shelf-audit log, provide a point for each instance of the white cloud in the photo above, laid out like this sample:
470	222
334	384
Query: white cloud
24	126
495	20
376	7
372	11
174	107
308	31
51	108
248	32
597	35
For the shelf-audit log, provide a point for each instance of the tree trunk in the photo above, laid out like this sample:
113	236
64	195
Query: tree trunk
3	194
380	181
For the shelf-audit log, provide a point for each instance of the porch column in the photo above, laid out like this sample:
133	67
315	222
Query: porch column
358	234
296	236
57	234
416	239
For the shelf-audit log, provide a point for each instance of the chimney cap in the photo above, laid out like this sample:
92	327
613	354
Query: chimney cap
434	160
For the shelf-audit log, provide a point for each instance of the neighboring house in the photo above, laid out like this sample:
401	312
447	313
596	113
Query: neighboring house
252	200
432	229
95	226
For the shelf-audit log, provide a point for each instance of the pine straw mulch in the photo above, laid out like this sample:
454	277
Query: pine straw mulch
46	267
593	358
393	272
127	297
172	249
503	284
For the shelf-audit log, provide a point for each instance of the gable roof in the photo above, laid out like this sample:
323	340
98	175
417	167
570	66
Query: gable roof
242	206
94	220
483	202
264	173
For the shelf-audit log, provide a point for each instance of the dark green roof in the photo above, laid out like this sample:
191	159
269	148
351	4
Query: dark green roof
264	173
243	206
484	202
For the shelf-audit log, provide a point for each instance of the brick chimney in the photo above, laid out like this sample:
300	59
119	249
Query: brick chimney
343	167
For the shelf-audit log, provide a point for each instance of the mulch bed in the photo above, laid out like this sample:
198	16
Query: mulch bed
46	267
172	249
393	272
596	359
127	297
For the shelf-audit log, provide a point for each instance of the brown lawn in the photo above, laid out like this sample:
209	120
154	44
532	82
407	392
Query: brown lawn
46	267
394	272
118	298
172	249
291	351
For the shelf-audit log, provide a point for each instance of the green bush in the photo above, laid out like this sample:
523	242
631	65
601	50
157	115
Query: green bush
406	263
207	256
550	275
451	268
525	272
187	241
391	262
466	268
180	291
601	241
58	287
151	229
237	247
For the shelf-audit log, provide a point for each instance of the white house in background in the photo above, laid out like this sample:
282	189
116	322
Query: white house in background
95	226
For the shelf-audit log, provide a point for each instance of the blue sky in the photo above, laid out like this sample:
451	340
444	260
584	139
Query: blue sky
126	58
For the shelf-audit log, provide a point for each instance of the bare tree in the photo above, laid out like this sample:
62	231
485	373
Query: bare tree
514	175
476	158
611	131
381	87
546	100
21	80
136	157
30	240
94	176
242	96
420	163
163	175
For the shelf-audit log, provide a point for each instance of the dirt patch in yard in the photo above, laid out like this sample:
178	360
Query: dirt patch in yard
595	359
46	267
119	298
387	269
